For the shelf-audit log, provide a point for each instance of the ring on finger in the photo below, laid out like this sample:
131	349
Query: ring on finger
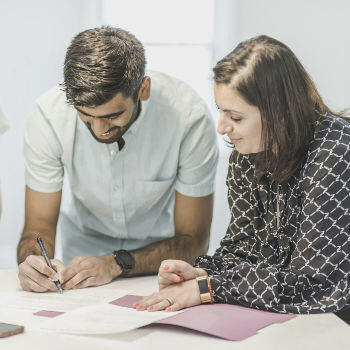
170	301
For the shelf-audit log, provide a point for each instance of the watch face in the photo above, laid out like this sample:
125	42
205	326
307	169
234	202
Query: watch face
125	260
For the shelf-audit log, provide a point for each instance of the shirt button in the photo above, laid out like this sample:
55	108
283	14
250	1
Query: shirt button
115	188
112	152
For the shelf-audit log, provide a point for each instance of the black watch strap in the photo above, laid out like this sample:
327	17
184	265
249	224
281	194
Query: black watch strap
125	260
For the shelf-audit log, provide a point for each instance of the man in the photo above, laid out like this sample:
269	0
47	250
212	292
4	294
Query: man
140	153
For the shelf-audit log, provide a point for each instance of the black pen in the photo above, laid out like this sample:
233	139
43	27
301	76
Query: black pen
46	256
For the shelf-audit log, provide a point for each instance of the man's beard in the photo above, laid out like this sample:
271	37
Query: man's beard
121	130
112	139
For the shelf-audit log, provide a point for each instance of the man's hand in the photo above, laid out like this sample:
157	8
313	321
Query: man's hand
175	271
86	271
185	294
35	276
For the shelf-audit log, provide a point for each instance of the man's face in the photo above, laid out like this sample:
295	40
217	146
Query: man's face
108	122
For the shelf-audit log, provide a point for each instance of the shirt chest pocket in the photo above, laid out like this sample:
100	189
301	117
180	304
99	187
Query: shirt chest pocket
149	194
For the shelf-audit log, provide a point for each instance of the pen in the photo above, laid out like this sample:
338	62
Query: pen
46	256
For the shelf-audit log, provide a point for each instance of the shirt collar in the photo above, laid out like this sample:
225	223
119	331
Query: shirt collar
135	126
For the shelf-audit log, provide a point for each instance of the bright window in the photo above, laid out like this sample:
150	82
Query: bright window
177	41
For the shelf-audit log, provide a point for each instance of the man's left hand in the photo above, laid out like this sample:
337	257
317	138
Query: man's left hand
181	295
86	271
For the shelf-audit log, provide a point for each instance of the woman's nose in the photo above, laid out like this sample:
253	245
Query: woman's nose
223	126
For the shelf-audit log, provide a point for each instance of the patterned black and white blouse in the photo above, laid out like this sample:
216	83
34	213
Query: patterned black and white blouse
304	266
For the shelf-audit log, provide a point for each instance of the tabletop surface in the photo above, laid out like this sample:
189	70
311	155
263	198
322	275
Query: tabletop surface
322	331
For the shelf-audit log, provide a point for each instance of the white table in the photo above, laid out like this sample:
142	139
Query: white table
325	331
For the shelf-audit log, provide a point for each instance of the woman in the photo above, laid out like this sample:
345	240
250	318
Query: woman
287	247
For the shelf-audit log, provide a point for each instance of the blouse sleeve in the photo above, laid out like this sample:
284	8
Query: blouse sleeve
233	246
316	279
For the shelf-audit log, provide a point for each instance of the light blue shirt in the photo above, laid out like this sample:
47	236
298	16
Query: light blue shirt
122	199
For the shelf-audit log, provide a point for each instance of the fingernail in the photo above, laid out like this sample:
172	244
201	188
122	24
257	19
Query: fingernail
166	267
150	308
167	309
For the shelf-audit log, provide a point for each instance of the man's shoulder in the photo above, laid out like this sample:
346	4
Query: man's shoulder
53	102
167	88
176	95
52	110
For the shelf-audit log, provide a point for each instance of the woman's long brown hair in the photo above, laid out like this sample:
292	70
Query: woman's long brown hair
268	75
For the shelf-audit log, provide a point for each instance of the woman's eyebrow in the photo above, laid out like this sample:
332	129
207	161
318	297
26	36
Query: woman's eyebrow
102	116
229	110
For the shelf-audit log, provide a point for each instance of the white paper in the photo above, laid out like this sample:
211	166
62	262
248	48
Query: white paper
53	301
103	319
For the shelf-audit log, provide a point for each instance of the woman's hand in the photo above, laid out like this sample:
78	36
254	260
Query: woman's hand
181	295
175	271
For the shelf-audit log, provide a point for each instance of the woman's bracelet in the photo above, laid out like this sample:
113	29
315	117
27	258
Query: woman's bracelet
205	289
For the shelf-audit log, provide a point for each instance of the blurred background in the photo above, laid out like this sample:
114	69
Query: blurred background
183	38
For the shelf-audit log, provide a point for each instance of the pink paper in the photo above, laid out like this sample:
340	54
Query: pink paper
47	313
226	321
126	300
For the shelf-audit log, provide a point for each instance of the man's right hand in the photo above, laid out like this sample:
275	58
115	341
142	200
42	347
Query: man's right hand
36	276
175	271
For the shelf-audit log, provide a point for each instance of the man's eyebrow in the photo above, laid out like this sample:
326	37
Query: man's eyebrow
102	116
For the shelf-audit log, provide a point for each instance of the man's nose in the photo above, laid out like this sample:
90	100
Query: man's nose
223	126
99	126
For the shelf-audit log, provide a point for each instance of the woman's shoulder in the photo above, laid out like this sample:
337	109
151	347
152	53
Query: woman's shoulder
329	151
332	135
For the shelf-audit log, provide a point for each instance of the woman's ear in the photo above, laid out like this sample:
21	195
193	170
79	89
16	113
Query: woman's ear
145	89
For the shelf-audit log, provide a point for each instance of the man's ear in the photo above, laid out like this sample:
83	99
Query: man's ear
145	89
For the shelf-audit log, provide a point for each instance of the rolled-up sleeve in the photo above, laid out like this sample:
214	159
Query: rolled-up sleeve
198	155
42	154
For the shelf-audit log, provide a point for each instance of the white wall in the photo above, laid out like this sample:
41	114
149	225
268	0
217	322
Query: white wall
33	37
318	31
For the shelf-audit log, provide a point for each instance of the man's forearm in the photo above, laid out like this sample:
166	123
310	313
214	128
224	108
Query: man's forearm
29	246
181	247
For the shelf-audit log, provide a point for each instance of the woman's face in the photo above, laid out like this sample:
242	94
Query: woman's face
240	121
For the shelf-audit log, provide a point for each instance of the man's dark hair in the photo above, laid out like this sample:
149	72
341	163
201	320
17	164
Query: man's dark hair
100	63
268	75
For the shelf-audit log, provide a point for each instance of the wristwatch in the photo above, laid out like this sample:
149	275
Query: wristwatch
204	289
125	260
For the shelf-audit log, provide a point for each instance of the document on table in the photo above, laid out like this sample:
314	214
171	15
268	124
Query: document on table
103	318
84	311
51	301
